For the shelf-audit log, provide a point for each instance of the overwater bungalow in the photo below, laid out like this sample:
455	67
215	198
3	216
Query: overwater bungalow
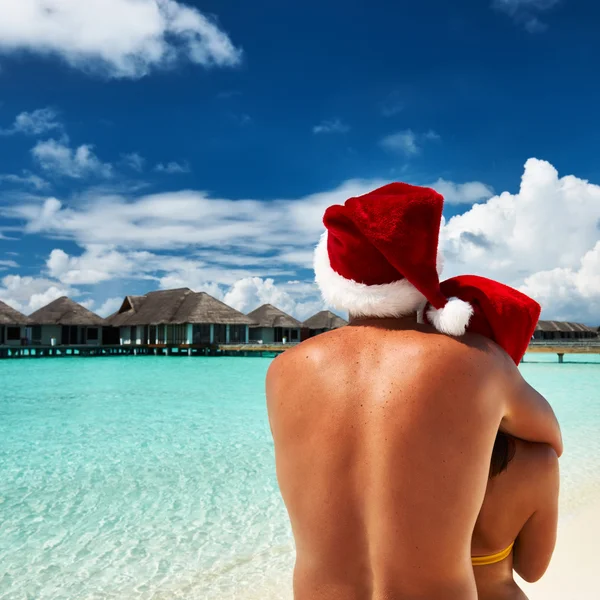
14	326
321	322
67	323
562	330
179	316
273	325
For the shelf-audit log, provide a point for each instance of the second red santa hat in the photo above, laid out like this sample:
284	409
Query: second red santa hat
500	313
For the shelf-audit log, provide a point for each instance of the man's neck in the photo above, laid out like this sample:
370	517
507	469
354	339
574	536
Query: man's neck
406	322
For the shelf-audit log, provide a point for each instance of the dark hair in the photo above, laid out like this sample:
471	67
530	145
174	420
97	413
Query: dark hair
503	452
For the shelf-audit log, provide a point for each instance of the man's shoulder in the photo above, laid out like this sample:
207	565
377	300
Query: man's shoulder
470	351
297	357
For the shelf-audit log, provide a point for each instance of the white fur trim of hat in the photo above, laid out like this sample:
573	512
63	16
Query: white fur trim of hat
395	299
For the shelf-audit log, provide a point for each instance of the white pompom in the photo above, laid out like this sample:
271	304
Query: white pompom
453	319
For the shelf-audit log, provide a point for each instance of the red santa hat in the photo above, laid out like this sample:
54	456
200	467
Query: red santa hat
500	313
379	257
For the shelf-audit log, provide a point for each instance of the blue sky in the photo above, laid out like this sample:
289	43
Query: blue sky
158	143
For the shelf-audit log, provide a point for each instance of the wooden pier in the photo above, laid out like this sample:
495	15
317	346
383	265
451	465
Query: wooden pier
558	347
58	351
562	347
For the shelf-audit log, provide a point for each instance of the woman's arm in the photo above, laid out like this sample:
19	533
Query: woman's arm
535	543
528	414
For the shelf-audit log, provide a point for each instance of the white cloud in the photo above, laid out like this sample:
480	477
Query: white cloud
403	141
432	136
512	6
172	168
569	293
134	161
58	158
37	122
408	142
115	38
331	126
187	218
110	306
8	264
524	12
462	193
99	263
193	277
27	294
302	258
250	293
543	240
93	266
299	299
89	303
238	287
27	179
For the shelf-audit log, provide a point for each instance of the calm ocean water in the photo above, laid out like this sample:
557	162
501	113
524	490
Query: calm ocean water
153	477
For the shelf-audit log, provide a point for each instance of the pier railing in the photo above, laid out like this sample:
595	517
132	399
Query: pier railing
565	346
592	342
230	349
558	347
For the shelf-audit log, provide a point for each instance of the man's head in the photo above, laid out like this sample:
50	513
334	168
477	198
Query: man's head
379	256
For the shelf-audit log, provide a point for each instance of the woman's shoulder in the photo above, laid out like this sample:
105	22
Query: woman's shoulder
534	461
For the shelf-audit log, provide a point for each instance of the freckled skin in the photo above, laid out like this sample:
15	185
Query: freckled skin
383	433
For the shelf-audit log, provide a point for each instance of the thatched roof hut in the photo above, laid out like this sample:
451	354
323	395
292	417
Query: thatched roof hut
564	326
562	330
268	315
324	320
176	307
65	311
10	316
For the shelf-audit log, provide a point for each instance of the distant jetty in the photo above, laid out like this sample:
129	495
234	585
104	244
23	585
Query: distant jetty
165	322
182	322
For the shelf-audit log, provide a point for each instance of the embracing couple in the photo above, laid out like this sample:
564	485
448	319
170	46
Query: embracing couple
414	460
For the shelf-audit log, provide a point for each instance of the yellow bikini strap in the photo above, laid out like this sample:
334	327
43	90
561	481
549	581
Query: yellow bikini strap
492	559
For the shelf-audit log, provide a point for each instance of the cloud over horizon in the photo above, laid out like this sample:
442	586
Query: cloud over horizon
544	240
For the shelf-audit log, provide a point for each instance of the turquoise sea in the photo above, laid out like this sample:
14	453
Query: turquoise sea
152	477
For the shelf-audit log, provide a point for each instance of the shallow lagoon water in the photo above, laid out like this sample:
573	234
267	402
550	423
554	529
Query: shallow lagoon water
153	477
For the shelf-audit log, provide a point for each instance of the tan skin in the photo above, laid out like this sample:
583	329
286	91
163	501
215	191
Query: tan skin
383	432
520	504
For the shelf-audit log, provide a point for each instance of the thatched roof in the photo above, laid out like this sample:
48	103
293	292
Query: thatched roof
10	316
129	307
268	315
176	307
562	326
324	320
65	311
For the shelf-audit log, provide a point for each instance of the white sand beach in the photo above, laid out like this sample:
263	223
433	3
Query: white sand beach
573	573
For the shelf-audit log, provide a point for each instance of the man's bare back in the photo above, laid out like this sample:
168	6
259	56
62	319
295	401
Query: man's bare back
383	434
